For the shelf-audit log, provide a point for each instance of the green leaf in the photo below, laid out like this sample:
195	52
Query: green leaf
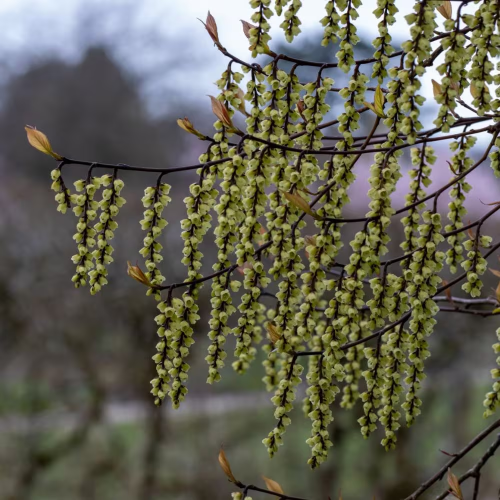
297	200
40	141
379	101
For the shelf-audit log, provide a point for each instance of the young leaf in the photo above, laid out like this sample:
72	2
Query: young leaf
211	27
241	96
451	167
445	9
272	331
454	86
497	292
372	107
470	232
475	92
247	27
297	200
187	126
495	272
454	485
136	273
221	112
310	240
40	141
273	485
436	88
226	467
300	108
379	101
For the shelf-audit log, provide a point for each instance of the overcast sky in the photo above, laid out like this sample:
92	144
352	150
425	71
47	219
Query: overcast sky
147	35
41	27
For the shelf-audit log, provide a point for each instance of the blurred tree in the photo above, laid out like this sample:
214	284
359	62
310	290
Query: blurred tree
367	317
94	94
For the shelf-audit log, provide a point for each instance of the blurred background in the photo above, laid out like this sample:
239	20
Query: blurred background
106	81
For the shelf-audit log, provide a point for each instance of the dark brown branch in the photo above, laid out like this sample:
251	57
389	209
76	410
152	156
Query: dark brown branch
441	472
476	470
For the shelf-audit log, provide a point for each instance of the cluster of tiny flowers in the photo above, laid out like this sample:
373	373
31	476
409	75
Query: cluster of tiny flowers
248	331
332	342
459	164
179	341
256	88
270	364
396	98
228	85
229	215
314	109
345	310
386	9
222	308
384	176
492	400
109	205
321	394
259	37
383	302
394	360
254	203
422	280
91	264
197	223
454	74
339	171
354	94
421	159
484	45
347	33
167	322
423	24
398	304
283	110
283	399
314	283
282	218
277	109
475	264
63	196
330	23
290	25
374	377
85	208
155	200
495	103
352	370
287	264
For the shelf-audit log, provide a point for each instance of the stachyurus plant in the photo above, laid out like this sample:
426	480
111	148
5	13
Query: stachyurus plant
275	194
